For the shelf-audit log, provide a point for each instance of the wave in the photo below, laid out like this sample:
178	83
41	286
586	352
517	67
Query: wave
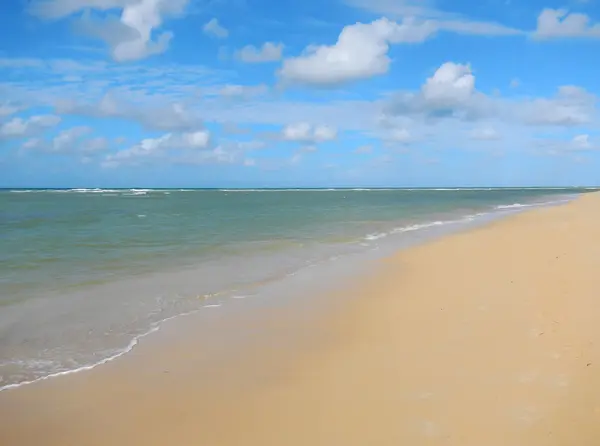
513	206
84	368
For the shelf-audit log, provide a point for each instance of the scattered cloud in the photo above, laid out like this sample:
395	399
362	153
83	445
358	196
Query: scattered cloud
242	91
560	23
301	153
269	52
67	138
442	20
402	136
8	109
24	128
129	35
169	117
56	9
69	141
152	149
484	134
214	29
581	142
307	133
572	106
364	149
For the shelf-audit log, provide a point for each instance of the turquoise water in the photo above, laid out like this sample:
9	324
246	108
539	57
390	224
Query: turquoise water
84	272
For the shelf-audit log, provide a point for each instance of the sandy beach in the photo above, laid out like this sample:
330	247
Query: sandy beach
488	337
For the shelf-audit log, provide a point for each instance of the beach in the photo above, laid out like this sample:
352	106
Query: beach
488	336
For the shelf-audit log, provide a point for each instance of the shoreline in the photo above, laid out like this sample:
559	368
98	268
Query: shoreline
497	348
425	232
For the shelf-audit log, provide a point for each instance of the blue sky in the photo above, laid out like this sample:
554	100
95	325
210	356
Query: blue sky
263	93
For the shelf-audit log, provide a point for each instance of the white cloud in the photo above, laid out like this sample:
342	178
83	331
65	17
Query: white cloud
305	132
242	91
214	28
158	148
425	10
364	149
556	23
55	9
572	106
94	145
170	117
22	128
269	52
8	109
66	139
301	152
581	142
484	134
402	136
450	92
188	148
450	85
359	53
130	35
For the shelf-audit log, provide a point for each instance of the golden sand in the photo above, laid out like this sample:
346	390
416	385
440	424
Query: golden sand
486	338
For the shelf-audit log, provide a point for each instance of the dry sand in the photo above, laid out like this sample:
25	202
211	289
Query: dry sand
485	338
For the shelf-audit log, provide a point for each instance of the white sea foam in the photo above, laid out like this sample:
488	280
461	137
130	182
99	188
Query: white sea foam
84	368
375	236
513	206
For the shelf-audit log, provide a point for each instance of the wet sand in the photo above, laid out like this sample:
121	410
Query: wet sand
488	337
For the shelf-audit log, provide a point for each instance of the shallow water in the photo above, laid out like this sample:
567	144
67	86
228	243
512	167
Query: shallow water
84	273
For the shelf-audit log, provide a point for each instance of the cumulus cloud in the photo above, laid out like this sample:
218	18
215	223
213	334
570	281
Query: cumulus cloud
213	28
23	128
269	52
307	133
450	85
359	53
450	92
557	23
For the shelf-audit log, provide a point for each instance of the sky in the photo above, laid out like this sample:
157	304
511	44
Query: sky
282	93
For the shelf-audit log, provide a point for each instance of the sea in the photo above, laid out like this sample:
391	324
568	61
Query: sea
85	273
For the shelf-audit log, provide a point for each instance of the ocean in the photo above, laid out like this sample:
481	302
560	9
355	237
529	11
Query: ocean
84	273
